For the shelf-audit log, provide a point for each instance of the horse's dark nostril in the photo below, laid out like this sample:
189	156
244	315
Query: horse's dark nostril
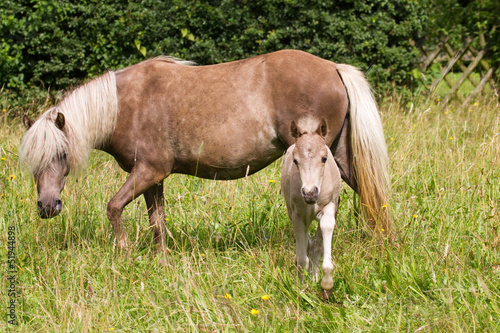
315	191
40	205
58	202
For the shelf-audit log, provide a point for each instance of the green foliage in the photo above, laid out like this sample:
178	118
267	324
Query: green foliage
469	18
57	44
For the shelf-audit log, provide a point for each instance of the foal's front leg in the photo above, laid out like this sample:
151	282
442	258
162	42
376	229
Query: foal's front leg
327	224
301	231
140	179
315	251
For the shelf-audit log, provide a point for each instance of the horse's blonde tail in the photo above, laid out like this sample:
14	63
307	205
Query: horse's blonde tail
369	150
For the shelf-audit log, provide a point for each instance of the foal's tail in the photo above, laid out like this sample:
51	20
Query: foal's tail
369	150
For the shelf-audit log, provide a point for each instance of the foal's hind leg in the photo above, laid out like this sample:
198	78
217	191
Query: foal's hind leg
327	224
156	211
140	179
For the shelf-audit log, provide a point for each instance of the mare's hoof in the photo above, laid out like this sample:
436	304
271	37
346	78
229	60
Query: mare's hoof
326	293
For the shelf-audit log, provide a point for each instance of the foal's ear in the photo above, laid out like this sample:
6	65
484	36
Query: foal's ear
28	122
294	130
322	128
60	121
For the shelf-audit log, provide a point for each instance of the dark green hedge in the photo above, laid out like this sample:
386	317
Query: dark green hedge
56	44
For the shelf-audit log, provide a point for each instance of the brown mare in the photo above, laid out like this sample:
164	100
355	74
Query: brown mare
310	182
223	121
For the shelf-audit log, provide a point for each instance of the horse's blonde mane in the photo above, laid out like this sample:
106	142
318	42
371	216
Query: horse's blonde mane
90	113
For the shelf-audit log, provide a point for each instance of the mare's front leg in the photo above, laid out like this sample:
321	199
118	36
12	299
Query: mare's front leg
140	179
327	224
156	211
301	231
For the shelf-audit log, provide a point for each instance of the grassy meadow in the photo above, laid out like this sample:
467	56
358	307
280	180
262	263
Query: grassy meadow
231	261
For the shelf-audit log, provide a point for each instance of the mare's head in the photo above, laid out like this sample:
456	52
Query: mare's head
45	150
310	156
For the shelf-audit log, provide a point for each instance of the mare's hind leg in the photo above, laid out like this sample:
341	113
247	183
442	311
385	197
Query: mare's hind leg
140	179
156	211
327	224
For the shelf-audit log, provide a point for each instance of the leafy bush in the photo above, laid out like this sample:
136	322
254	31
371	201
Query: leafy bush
56	44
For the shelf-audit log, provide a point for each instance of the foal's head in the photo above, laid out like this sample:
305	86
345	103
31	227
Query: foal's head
310	156
45	150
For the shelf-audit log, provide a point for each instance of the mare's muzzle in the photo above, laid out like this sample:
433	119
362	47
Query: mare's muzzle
49	209
310	195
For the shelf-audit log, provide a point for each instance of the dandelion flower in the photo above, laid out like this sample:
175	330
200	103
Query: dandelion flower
415	215
475	103
13	176
392	139
384	206
254	312
451	138
265	297
227	296
4	110
3	158
382	229
202	254
271	181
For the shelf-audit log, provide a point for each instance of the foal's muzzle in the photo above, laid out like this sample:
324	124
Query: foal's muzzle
310	195
49	210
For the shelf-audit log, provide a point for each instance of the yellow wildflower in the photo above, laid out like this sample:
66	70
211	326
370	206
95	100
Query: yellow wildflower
3	158
265	297
271	181
451	138
13	176
415	215
227	296
254	312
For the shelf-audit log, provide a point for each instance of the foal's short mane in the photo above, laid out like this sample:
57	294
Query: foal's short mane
90	113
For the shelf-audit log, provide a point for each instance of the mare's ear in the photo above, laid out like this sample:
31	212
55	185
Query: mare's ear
294	130
60	121
322	128
27	121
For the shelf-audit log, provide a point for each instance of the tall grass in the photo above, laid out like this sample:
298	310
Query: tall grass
232	243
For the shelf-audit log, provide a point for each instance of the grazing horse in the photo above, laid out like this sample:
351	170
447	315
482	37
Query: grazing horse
223	121
310	182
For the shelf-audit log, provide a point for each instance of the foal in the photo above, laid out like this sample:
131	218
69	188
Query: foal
310	182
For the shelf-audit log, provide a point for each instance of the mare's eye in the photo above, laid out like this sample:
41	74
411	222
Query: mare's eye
323	159
295	161
63	156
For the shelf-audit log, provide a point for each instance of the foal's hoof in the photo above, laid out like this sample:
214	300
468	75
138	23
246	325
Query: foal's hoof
326	293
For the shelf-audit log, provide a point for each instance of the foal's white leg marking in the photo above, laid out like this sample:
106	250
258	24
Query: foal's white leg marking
302	238
327	224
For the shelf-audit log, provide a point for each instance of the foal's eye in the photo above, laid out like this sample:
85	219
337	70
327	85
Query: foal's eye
323	159
63	156
295	161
